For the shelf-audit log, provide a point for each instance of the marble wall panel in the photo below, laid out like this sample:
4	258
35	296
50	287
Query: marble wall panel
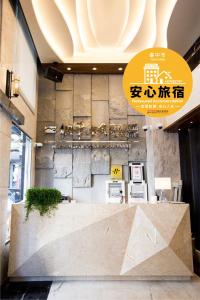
100	161
83	195
137	151
62	163
119	156
166	157
82	95
100	115
64	107
100	87
64	110
99	188
95	194
46	110
166	154
117	102
44	178
81	168
66	84
46	89
85	132
44	157
64	185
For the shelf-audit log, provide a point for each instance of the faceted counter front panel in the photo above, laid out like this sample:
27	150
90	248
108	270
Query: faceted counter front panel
99	240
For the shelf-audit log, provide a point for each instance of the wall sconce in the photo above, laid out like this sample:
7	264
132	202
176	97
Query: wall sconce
12	85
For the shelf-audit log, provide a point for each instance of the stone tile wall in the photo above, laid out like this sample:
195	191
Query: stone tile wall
92	99
163	159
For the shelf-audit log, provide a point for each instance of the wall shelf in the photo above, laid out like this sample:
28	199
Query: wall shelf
93	144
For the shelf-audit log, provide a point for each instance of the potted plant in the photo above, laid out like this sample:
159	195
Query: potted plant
42	199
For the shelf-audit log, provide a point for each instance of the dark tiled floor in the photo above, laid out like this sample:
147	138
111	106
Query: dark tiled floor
25	290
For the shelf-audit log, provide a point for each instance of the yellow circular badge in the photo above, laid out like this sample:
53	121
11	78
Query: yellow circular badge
157	82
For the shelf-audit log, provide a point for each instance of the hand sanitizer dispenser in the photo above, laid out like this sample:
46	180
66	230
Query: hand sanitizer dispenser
137	187
115	191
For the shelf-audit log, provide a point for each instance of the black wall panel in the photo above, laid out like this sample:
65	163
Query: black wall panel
189	143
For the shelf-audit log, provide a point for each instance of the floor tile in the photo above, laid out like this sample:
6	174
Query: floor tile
103	290
100	290
25	290
176	290
126	290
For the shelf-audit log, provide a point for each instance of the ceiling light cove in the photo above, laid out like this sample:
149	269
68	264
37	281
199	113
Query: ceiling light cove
53	28
102	31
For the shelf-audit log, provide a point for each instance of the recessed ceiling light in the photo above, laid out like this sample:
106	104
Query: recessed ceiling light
69	69
120	68
94	68
191	122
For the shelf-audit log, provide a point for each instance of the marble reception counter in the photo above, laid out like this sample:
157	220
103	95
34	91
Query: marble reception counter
108	241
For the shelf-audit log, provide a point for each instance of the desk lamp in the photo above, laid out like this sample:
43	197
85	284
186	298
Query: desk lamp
162	183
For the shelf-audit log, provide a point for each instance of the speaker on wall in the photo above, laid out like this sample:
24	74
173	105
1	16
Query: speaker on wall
53	74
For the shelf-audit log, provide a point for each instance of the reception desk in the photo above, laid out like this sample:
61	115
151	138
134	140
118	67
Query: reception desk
102	241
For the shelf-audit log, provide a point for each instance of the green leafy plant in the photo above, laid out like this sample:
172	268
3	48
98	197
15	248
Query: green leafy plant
42	199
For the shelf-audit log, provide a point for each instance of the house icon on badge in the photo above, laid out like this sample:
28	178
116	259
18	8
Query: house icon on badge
152	74
163	77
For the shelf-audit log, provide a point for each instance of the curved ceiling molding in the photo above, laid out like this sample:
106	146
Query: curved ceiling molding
86	34
135	17
53	28
68	10
163	13
146	34
102	31
104	14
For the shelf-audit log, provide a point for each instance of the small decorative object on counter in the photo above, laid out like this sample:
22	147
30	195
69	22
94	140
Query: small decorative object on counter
162	184
153	199
67	199
177	191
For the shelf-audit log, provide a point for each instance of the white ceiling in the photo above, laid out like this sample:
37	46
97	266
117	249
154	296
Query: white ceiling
109	31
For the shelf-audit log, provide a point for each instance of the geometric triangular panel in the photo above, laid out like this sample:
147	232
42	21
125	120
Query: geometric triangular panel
86	252
144	241
181	241
166	219
165	262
